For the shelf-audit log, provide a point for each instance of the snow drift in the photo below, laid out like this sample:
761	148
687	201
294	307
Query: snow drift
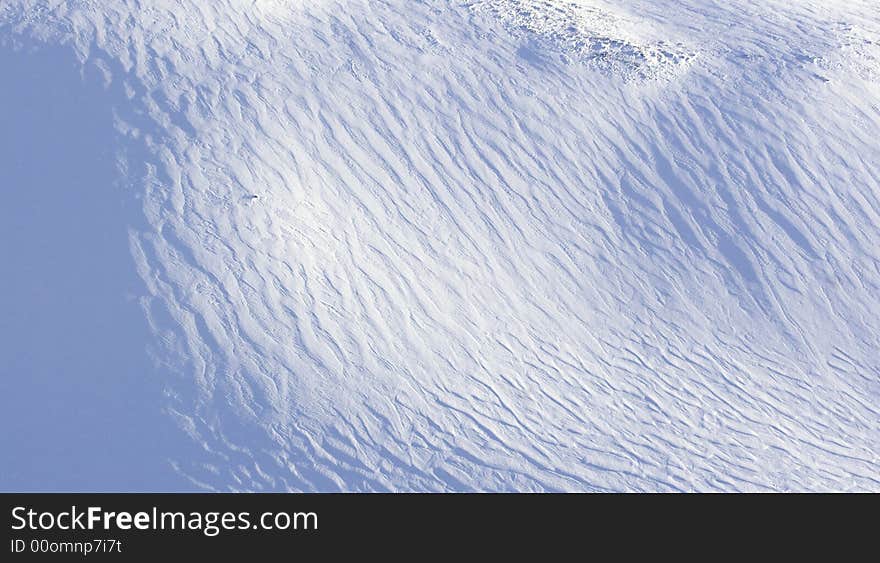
496	245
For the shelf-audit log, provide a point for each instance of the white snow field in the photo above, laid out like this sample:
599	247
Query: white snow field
496	245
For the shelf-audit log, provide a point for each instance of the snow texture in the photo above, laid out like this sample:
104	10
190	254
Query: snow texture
496	245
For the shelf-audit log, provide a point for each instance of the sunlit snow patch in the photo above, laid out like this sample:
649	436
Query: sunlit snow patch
858	52
584	31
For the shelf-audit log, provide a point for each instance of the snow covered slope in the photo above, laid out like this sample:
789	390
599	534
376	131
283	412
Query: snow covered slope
495	244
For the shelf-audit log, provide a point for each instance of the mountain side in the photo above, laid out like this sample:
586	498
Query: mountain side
465	245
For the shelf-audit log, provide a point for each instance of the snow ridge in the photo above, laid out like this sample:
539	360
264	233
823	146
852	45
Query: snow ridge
590	33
